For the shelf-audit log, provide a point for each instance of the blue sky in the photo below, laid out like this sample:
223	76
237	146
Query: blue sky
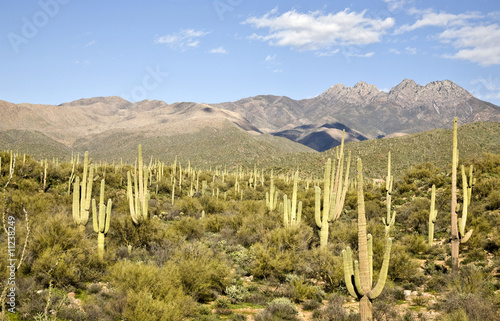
55	51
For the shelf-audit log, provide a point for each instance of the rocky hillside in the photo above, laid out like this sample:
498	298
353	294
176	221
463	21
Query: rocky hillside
364	111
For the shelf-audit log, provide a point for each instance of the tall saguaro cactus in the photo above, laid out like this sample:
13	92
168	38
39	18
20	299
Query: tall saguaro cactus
432	215
358	279
335	189
458	234
82	194
101	220
139	196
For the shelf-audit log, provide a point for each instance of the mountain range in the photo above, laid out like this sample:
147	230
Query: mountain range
364	112
259	127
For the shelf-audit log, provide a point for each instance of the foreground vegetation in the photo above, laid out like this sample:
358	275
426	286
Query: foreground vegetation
211	247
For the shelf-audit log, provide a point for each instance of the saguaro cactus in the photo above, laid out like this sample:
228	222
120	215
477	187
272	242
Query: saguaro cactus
358	279
292	211
333	194
458	234
390	219
139	197
101	220
432	215
272	197
82	194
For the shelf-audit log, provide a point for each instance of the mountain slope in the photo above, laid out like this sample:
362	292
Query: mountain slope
406	108
111	128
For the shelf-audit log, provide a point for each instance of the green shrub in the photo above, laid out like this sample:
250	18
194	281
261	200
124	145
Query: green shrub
203	274
300	290
278	309
152	293
236	293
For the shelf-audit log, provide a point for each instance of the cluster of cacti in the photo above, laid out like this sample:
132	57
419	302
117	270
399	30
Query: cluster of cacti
101	220
458	234
359	278
292	211
334	192
390	219
138	197
432	215
82	194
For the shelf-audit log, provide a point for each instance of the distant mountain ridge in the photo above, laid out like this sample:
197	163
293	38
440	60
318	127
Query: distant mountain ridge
364	110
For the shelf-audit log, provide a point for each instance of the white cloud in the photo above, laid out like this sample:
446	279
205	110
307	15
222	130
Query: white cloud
219	50
430	18
182	39
480	44
316	31
327	53
366	55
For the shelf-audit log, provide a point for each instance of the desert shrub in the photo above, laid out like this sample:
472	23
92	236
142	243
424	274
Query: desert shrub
124	232
296	238
57	238
152	293
236	293
300	290
311	305
278	309
203	274
470	307
323	266
270	263
333	311
415	244
222	306
401	266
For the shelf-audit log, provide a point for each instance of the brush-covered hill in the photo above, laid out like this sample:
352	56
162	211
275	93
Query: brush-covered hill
111	128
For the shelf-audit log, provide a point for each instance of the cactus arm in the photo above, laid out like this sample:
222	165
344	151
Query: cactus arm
108	216
95	222
344	190
76	201
357	280
294	195
88	196
463	220
370	256
285	210
432	215
130	197
348	272
326	192
382	277
317	206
